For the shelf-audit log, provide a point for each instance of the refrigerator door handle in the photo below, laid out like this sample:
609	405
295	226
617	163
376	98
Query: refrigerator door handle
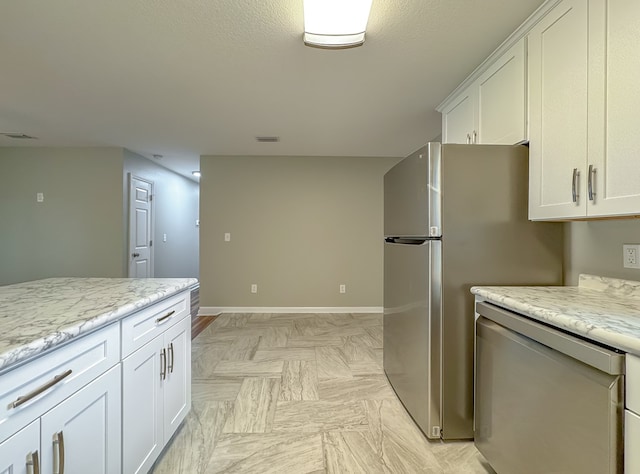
406	240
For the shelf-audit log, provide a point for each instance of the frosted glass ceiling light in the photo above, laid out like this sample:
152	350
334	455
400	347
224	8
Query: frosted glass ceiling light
335	23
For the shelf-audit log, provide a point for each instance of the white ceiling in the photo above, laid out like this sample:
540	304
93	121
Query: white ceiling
197	77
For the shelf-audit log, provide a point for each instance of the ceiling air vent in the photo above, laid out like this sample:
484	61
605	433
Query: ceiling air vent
268	139
19	136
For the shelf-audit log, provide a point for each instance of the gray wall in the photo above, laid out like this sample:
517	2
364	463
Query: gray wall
300	227
77	230
595	247
176	201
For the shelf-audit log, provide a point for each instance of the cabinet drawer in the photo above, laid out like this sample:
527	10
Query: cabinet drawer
145	325
633	383
75	364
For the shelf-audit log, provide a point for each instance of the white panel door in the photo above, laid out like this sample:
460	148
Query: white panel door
557	70
614	146
458	119
177	386
502	99
142	438
140	228
85	429
19	454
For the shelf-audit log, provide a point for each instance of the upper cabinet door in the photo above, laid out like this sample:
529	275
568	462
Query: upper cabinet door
614	139
557	70
458	121
502	99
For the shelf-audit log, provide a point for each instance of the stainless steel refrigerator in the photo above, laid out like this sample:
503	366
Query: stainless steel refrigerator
455	216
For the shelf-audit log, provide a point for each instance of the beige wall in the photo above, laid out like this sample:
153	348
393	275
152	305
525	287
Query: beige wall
77	230
300	227
595	247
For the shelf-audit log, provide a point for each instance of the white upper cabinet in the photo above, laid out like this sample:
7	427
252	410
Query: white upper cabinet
492	109
501	93
614	107
583	105
558	65
458	120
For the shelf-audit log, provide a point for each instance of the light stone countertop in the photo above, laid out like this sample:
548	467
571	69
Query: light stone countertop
38	315
602	309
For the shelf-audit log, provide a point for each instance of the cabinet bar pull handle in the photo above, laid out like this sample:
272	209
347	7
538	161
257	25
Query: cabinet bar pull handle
34	393
166	316
592	177
33	463
58	453
574	185
163	362
171	357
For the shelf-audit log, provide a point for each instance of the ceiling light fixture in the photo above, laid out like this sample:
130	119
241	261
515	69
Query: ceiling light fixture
335	23
197	174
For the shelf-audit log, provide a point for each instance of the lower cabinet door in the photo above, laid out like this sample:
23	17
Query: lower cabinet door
631	443
83	433
142	438
177	386
20	453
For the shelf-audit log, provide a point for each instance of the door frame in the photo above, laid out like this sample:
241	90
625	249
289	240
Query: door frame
130	237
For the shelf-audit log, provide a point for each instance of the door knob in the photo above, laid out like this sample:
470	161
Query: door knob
135	254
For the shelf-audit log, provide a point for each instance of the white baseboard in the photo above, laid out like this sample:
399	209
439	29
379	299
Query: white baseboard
215	310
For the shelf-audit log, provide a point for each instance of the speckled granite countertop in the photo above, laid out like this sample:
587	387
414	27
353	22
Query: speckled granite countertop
606	310
38	315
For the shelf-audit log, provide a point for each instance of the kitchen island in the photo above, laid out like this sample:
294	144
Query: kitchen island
95	373
566	357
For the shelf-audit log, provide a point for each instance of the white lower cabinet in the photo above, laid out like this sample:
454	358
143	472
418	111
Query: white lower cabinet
177	386
84	430
632	415
20	454
631	443
80	434
156	395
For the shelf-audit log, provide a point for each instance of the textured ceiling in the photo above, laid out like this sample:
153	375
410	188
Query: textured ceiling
193	77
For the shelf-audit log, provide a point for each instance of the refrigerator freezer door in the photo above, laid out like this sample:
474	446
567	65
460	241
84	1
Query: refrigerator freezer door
412	322
412	195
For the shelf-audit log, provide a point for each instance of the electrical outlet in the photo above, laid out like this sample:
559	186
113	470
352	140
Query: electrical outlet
254	288
227	237
164	237
631	255
40	197
343	288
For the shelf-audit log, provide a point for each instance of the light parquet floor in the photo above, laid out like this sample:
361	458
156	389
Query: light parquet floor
301	393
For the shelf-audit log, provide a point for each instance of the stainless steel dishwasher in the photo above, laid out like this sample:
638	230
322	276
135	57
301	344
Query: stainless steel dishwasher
545	401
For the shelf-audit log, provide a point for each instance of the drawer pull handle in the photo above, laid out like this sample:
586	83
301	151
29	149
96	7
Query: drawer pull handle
33	463
34	393
165	317
171	357
58	453
163	363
